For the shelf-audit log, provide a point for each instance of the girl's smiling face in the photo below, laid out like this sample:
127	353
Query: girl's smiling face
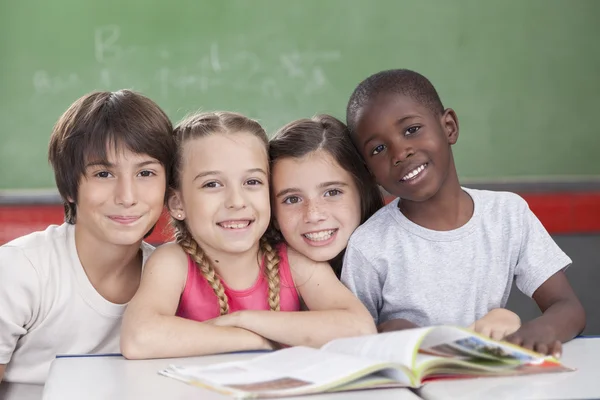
316	204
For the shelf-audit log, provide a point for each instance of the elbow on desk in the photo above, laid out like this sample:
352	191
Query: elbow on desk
133	346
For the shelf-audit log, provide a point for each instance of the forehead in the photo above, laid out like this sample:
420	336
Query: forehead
309	171
225	152
115	153
384	112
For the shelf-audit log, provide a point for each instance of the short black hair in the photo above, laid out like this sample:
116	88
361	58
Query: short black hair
396	81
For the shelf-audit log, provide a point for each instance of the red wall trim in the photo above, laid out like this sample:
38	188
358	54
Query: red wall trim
560	213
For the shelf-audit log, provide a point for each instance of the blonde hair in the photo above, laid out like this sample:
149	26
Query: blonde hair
202	125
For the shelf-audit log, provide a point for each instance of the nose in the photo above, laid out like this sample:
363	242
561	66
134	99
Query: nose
401	151
235	198
314	212
126	193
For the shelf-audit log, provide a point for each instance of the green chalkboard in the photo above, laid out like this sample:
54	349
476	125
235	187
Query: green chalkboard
523	75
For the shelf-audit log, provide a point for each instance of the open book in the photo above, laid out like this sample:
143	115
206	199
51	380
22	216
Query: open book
406	358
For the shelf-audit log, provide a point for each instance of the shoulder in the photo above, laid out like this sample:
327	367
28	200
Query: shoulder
303	268
168	255
494	198
41	239
41	250
369	236
378	223
499	205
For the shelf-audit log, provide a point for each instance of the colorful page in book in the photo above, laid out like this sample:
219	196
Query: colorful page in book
293	371
441	350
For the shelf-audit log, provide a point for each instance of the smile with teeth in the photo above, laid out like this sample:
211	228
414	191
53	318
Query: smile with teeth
320	235
239	224
414	172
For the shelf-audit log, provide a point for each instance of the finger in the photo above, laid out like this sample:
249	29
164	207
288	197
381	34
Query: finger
541	348
486	331
527	344
556	349
514	338
497	334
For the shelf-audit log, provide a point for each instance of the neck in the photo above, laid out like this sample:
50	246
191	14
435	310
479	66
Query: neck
102	260
450	208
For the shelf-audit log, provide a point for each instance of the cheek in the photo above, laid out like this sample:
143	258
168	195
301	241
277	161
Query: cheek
286	218
155	193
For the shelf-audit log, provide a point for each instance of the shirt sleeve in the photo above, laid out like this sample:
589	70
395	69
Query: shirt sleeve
19	298
359	275
539	256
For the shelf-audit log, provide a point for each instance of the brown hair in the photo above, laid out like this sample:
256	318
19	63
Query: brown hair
101	119
198	126
324	132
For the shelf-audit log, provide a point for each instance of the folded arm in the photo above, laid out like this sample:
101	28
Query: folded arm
333	310
151	329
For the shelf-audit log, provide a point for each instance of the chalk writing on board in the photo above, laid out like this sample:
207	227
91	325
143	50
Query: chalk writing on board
205	67
44	83
105	42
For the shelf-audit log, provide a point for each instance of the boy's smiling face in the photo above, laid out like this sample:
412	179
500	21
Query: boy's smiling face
406	145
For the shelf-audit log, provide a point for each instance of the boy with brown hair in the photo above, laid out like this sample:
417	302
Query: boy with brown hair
64	290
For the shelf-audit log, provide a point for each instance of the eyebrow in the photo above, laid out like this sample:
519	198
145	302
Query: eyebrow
111	165
215	172
400	121
320	186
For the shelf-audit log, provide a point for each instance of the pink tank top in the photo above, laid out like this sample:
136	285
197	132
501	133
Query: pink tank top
199	302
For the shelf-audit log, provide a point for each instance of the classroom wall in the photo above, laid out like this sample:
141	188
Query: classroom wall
522	75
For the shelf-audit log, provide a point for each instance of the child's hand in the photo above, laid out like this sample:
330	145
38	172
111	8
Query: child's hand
497	324
231	320
537	337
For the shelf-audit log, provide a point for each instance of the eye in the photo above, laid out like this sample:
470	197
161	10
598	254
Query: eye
146	174
412	130
102	174
253	182
291	200
378	149
212	184
333	192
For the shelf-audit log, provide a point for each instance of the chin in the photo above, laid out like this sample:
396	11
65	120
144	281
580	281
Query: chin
126	238
324	254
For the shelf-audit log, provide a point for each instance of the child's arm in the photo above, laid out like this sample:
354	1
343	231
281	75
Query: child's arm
151	329
540	274
20	300
497	324
396	325
563	318
334	311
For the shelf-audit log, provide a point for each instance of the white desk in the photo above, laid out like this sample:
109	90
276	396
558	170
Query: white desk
115	378
583	354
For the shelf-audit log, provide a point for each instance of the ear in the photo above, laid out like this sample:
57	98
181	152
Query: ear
175	205
450	125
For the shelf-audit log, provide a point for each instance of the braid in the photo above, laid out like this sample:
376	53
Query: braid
191	247
272	272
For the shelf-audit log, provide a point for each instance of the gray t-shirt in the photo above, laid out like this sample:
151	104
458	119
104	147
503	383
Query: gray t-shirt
399	269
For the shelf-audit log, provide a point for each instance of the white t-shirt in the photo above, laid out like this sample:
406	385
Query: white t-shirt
49	307
401	270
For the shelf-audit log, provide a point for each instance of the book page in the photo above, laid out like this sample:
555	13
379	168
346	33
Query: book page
399	346
295	370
